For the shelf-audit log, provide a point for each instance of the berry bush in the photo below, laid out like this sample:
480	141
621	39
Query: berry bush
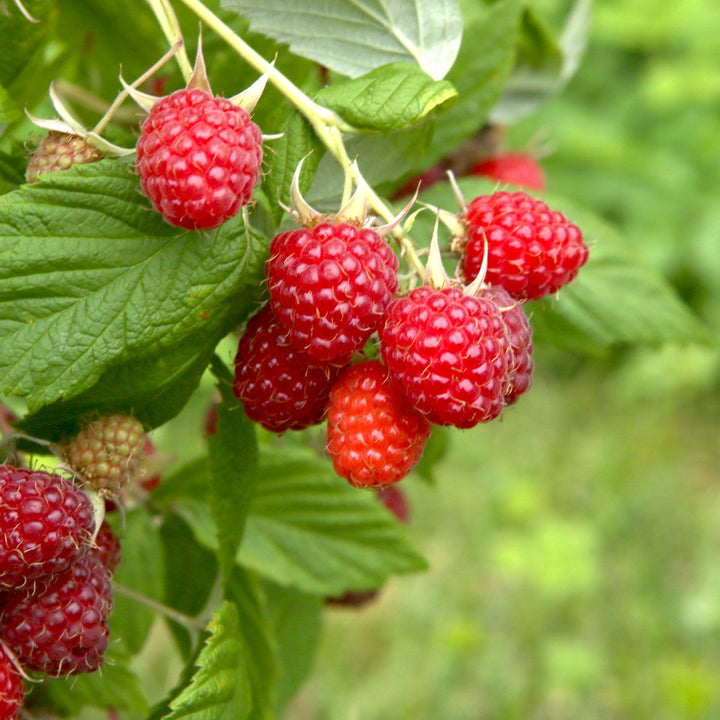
327	228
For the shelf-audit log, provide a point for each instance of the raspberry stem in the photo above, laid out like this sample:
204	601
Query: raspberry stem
327	124
186	621
171	29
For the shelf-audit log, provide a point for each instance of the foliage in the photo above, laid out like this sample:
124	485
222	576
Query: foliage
106	308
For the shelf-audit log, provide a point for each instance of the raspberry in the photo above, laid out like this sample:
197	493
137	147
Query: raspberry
62	629
107	452
280	387
394	499
12	687
45	522
448	352
520	367
329	285
375	436
514	168
532	251
59	151
198	158
107	548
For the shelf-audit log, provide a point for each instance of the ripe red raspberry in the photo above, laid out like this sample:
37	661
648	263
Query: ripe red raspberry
532	251
375	437
107	548
12	687
329	285
448	353
198	158
520	363
45	523
280	387
514	168
62	629
107	452
395	500
59	151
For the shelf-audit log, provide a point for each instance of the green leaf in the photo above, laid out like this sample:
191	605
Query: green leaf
615	300
9	111
480	74
434	452
297	142
259	648
219	687
306	527
310	529
190	572
12	168
21	38
92	280
353	37
114	686
141	570
233	463
389	98
296	619
537	74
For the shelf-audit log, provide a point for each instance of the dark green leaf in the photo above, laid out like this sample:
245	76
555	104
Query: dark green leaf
190	572
83	250
389	98
307	527
233	461
298	142
20	37
143	572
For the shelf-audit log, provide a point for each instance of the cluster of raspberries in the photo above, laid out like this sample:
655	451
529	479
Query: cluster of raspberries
55	591
446	356
55	564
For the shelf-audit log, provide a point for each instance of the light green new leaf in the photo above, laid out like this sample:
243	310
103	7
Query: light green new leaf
8	109
389	98
219	689
92	279
353	37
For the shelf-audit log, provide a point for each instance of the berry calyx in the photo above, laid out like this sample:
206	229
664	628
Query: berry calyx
198	158
532	251
12	687
107	452
45	523
279	386
62	629
375	437
514	168
448	353
329	286
59	151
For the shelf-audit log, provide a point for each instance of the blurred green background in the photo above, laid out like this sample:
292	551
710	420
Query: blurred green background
575	545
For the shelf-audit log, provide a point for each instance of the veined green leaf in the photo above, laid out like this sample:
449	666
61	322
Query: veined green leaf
389	98
355	36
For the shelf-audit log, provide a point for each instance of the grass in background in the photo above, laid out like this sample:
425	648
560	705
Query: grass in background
574	572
